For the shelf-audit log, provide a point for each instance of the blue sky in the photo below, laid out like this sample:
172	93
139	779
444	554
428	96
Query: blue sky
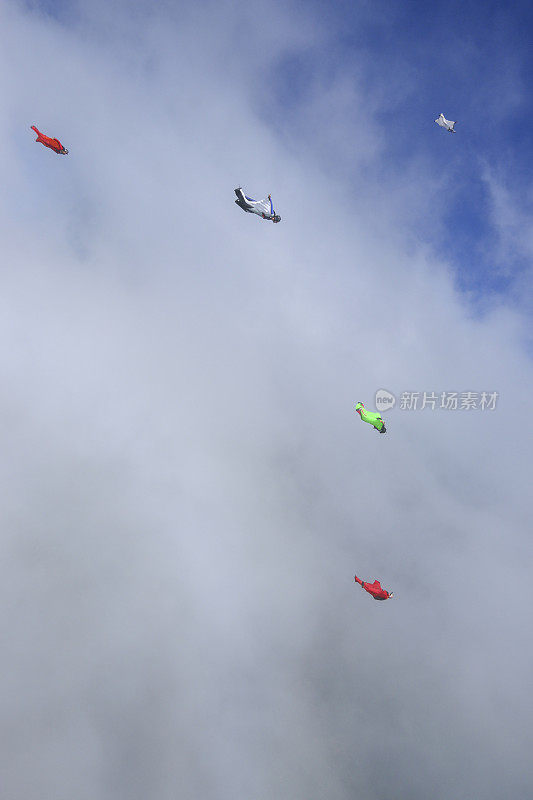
472	61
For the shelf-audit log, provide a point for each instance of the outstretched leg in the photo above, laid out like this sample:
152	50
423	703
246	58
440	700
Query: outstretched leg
241	200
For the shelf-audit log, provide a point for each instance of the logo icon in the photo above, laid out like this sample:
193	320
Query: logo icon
384	400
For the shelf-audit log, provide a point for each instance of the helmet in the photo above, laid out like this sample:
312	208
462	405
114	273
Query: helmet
276	218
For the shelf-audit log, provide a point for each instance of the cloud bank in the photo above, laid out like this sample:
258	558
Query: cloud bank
187	490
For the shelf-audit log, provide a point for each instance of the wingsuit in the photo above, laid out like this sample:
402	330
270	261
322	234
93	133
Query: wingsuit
53	144
374	589
445	123
263	208
373	418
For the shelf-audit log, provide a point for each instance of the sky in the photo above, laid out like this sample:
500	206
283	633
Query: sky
187	490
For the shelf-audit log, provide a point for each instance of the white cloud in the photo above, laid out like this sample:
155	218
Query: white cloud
510	215
187	489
